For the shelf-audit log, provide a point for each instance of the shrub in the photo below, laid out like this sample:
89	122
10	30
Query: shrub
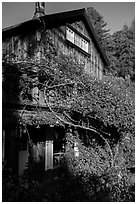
17	188
92	168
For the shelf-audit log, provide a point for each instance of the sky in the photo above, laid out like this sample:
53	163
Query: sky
116	14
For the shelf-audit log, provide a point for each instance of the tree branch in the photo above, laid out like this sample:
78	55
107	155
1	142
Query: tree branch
69	117
82	127
58	85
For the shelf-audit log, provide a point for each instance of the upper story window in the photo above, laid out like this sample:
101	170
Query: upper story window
77	39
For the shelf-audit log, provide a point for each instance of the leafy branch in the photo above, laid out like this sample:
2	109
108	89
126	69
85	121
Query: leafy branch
82	127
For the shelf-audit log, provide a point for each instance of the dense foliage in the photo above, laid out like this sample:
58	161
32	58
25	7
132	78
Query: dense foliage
124	52
119	46
102	111
100	180
55	186
99	25
64	84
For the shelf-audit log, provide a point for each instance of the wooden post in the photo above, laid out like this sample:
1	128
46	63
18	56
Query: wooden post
49	155
49	149
24	50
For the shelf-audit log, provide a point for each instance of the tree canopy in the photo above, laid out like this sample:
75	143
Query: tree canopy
124	52
119	47
99	25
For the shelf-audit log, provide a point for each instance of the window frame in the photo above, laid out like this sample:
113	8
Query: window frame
81	46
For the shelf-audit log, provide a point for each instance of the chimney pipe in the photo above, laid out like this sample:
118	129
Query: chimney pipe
39	9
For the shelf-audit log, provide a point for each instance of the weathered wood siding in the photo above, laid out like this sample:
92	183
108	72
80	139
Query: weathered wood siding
93	63
23	46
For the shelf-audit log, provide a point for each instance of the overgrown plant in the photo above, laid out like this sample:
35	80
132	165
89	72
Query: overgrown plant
100	180
102	112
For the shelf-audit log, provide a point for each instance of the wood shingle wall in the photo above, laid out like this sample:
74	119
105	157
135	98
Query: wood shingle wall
30	45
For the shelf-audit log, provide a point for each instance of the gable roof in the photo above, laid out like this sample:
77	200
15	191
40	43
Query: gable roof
56	20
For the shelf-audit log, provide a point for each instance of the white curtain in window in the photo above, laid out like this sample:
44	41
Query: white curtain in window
86	46
70	35
77	40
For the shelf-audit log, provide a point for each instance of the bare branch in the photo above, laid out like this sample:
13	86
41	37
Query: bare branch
69	117
22	111
58	85
117	151
80	82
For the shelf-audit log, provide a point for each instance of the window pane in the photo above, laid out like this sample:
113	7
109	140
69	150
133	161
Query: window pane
70	35
86	46
82	44
77	40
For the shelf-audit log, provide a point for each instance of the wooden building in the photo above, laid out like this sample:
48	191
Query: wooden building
72	34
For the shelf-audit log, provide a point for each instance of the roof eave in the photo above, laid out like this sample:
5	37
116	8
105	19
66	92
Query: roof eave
55	20
24	27
95	37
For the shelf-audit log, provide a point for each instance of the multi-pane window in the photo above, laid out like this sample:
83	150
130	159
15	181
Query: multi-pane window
77	39
80	41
